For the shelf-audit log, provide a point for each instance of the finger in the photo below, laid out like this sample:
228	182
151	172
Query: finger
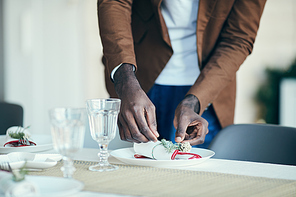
124	131
193	135
201	122
121	131
196	141
207	129
187	137
196	132
151	120
201	125
197	136
182	125
143	126
136	134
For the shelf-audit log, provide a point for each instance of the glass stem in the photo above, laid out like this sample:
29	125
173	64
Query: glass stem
68	168
103	154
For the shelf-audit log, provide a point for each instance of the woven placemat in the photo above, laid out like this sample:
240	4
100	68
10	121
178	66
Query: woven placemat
150	181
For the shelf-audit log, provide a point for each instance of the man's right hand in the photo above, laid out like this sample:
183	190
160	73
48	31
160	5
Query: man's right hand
136	120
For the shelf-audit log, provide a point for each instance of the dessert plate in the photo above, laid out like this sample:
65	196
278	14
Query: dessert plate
43	142
126	155
55	186
37	161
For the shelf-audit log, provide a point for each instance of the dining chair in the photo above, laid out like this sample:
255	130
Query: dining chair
265	143
10	115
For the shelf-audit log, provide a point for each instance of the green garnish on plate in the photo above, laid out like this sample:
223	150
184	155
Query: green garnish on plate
19	133
171	147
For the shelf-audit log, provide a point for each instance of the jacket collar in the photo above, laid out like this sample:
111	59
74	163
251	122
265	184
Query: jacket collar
164	29
205	9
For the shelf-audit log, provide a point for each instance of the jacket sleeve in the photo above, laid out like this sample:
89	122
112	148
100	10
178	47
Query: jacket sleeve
116	34
234	44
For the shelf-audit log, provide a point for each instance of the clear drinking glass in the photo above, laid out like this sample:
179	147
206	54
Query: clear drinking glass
67	130
102	115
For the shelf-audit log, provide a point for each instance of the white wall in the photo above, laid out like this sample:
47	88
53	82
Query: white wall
275	47
288	102
53	56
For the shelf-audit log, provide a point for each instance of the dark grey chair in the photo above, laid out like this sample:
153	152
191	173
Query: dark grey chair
256	142
10	115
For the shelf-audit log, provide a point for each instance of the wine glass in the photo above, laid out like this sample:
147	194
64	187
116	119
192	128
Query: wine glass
67	130
102	115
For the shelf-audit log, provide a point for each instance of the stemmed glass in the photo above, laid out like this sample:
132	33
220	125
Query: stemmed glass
103	114
67	130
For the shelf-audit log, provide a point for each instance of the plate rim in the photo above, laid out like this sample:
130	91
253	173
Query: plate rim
39	148
75	189
38	164
160	162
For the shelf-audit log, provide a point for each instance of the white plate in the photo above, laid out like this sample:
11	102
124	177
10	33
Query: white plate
126	155
43	142
38	161
55	186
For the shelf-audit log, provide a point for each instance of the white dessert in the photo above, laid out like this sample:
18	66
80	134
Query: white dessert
20	134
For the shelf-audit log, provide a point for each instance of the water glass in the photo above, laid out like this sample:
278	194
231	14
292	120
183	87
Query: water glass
102	115
67	130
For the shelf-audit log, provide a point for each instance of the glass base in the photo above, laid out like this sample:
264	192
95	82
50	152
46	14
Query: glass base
102	168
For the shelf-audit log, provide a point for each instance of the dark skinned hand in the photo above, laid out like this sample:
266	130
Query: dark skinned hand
137	119
190	127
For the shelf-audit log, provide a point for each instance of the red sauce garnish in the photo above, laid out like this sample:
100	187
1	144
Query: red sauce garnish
137	156
16	143
176	152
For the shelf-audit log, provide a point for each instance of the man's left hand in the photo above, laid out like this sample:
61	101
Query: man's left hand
190	126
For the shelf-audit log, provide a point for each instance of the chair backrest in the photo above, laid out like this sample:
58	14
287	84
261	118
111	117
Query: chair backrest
10	115
256	142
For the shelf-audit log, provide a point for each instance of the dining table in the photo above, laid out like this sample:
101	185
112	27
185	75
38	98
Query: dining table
213	177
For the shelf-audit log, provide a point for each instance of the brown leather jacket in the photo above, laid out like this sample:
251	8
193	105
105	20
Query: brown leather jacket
134	31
